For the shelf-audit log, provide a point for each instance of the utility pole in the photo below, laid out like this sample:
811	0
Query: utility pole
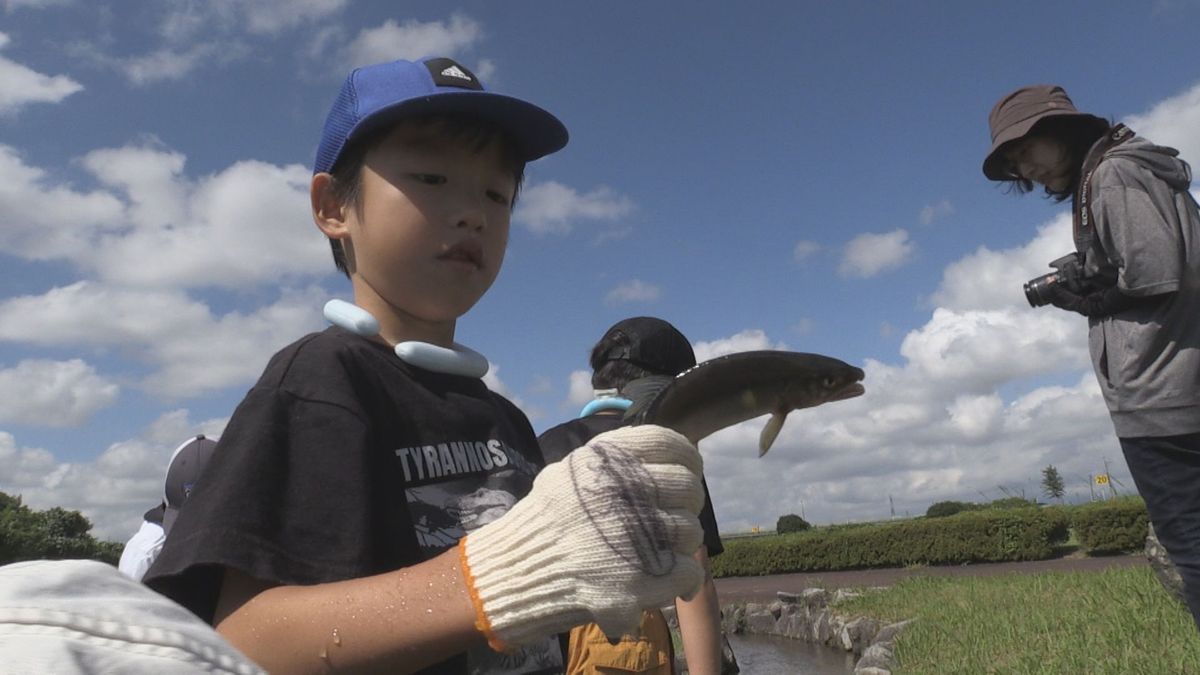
892	504
1111	487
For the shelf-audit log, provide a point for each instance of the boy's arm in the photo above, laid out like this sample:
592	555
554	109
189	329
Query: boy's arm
395	622
602	535
700	624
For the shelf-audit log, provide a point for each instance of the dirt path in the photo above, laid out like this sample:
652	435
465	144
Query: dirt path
763	589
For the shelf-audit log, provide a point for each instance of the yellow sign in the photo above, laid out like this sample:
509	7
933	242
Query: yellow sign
1102	479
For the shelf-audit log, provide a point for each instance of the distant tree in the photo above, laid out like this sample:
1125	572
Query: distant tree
1052	483
791	523
948	508
1011	503
56	533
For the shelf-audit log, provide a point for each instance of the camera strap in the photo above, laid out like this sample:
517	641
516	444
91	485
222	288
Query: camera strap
1084	226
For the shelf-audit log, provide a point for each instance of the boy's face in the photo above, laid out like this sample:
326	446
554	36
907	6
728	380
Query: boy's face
432	228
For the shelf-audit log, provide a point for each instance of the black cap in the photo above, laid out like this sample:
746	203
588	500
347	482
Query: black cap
647	342
187	463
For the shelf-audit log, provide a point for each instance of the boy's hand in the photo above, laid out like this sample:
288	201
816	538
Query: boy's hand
603	534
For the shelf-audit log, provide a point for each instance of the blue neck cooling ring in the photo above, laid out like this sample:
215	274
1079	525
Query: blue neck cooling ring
459	360
605	403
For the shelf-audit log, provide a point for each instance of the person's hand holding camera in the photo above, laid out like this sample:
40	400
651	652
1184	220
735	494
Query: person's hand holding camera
1093	305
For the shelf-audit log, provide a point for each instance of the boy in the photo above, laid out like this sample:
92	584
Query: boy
331	531
183	469
631	349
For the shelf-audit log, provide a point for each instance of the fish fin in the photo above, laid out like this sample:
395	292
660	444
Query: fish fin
770	432
642	392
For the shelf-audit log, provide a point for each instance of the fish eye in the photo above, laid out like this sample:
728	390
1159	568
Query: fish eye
828	382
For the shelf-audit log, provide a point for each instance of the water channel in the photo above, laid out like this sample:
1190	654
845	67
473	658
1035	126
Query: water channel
776	655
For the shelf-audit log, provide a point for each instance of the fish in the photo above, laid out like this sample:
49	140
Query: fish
731	389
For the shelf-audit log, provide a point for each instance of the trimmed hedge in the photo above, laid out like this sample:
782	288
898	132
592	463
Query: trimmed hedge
975	536
982	535
1114	526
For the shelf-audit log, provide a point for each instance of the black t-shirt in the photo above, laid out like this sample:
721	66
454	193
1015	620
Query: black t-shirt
557	442
343	462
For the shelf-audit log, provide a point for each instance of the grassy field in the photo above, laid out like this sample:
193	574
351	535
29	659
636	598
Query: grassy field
1118	622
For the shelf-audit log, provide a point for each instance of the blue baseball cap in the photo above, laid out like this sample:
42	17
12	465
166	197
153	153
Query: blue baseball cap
378	95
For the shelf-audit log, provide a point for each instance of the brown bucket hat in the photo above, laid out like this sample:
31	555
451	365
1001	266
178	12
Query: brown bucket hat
1015	114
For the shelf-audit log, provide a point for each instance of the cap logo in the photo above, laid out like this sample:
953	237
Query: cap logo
455	71
447	73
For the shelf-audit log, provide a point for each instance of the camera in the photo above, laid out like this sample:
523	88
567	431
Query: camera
1067	270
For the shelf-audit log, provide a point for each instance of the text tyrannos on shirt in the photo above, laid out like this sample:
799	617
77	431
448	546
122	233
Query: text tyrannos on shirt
451	459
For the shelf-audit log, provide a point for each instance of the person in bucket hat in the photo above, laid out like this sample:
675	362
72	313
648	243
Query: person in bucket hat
1136	229
630	349
375	507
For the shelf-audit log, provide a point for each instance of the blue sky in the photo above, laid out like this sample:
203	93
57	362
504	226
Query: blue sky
764	175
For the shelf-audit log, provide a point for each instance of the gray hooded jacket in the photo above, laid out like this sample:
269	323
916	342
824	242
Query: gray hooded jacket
1147	359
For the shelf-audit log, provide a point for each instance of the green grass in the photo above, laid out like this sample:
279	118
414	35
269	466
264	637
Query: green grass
1118	621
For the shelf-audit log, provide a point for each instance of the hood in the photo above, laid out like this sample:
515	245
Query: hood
1160	160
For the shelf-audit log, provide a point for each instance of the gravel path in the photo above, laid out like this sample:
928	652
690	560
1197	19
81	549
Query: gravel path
763	589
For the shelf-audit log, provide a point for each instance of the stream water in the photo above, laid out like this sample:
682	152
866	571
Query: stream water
775	655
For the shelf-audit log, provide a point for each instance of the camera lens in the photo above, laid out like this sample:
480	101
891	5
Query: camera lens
1034	289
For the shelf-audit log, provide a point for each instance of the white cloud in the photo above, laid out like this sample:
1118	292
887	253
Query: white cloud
53	393
967	409
989	279
1174	122
803	249
21	86
634	290
412	40
11	5
192	351
579	390
248	224
194	35
554	208
936	211
977	350
870	254
268	17
751	339
65	222
115	489
168	64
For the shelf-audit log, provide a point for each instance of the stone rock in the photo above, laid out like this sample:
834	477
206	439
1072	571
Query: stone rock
733	618
1163	568
889	632
880	655
815	598
789	598
870	670
822	633
858	633
843	594
795	626
760	620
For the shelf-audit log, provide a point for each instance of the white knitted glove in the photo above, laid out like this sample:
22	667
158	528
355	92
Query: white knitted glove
603	534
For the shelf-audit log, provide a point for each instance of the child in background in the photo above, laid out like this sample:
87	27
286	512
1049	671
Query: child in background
634	348
370	512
